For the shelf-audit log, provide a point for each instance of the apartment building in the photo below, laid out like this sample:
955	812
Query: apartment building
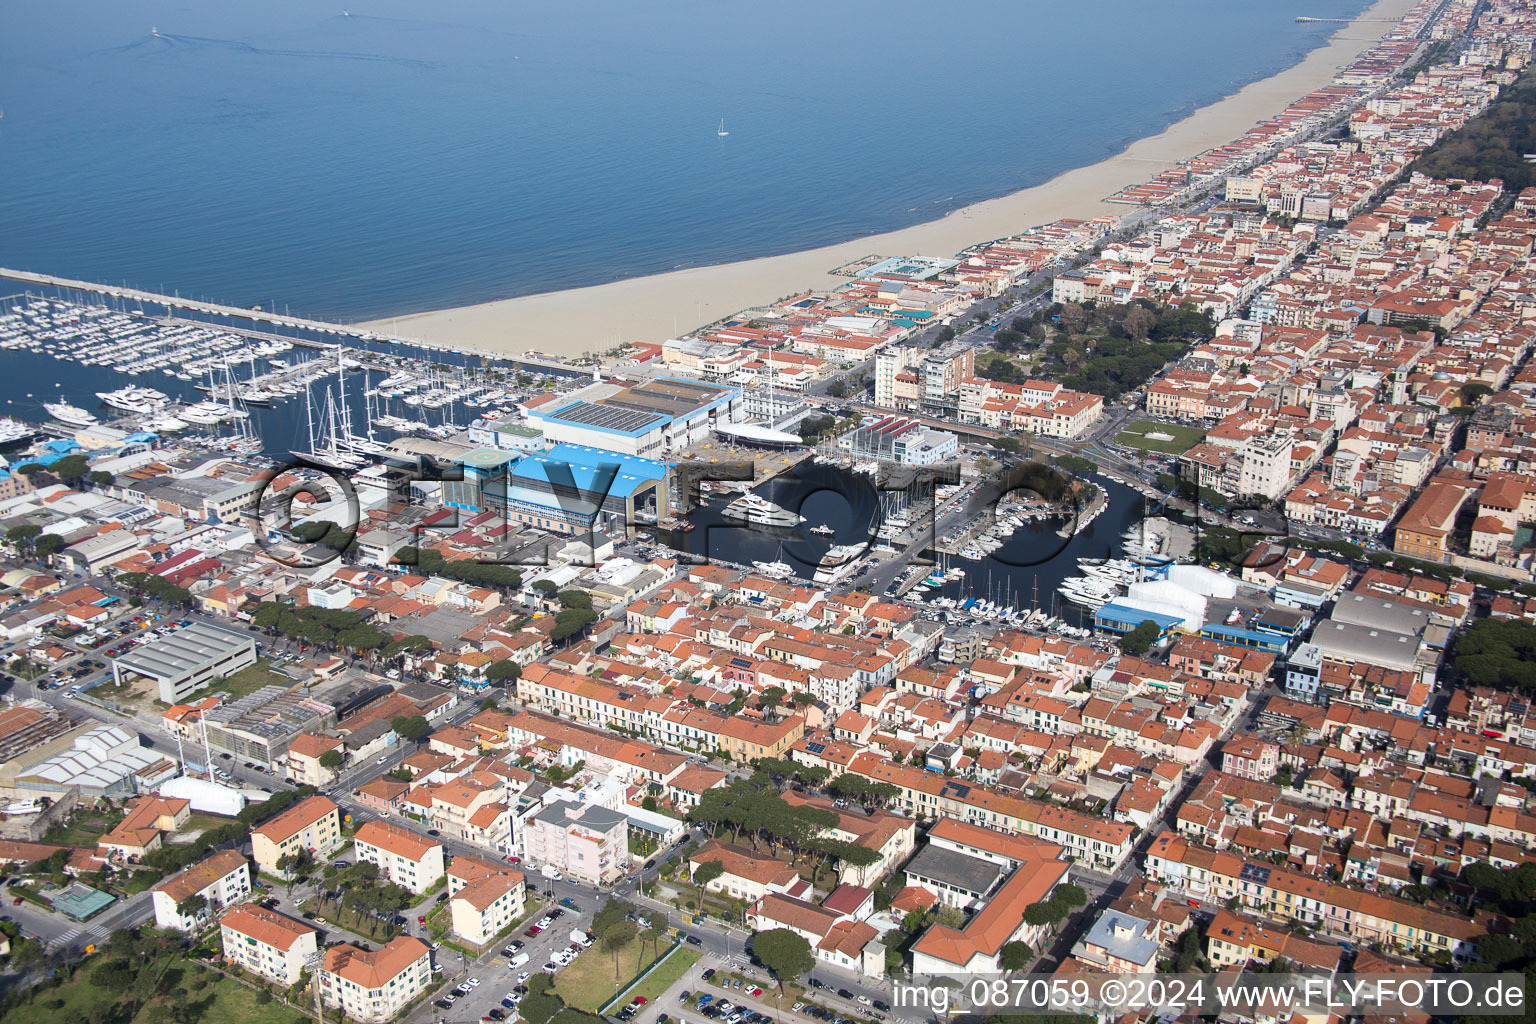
484	898
220	880
303	761
585	843
407	859
374	987
266	943
1284	895
313	824
1102	844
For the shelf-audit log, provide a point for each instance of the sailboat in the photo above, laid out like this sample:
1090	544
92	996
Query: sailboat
722	132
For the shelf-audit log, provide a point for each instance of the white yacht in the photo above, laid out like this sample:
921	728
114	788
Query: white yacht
163	424
753	508
71	414
838	562
775	570
13	431
823	530
134	399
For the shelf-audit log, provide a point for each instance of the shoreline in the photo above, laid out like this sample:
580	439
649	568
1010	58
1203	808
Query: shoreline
655	307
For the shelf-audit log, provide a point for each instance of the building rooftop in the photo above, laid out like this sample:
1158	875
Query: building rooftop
962	871
183	651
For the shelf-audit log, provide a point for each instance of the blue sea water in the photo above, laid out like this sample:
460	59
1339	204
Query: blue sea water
410	155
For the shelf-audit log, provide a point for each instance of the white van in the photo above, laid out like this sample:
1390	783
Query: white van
517	961
580	938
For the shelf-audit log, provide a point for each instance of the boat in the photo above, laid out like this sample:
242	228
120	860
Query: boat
134	399
163	424
722	132
15	431
71	414
775	570
823	530
753	508
838	562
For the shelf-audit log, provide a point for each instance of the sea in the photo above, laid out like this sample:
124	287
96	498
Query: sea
365	162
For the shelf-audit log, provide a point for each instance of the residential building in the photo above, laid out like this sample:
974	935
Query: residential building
374	987
266	943
313	824
406	858
588	844
222	879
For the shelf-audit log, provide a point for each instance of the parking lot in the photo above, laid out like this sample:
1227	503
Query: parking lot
490	988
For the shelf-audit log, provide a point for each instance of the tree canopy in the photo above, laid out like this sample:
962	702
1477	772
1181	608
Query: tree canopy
785	953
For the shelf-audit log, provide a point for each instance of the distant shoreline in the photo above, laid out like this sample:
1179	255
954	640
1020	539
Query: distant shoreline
653	308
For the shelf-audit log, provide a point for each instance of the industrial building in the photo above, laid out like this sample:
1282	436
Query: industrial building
652	419
898	439
105	762
187	660
573	489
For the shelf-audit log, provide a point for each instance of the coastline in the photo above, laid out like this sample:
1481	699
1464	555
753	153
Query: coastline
660	306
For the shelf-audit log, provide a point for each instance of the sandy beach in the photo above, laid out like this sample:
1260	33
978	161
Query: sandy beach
651	309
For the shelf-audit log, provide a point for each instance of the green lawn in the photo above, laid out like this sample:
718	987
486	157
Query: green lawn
1179	441
220	1000
590	980
247	680
667	975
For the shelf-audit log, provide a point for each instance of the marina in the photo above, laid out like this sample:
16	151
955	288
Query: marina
258	392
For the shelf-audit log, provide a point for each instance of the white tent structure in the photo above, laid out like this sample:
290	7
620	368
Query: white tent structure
206	796
1168	599
1203	581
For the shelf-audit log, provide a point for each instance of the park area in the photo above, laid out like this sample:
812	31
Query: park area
1160	437
595	976
169	990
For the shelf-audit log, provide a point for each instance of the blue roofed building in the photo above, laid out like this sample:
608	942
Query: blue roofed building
1121	618
477	467
573	489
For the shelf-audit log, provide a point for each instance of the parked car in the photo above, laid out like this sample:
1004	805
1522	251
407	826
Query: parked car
570	903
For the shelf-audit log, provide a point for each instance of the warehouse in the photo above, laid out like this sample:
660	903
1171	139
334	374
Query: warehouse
187	660
572	489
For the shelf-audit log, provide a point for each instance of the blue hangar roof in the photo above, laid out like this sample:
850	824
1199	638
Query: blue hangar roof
587	468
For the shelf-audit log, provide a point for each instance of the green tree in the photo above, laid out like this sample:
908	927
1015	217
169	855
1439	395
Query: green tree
192	905
70	467
950	917
704	873
772	697
616	936
785	953
332	759
22	536
1139	640
45	546
410	727
1015	956
503	671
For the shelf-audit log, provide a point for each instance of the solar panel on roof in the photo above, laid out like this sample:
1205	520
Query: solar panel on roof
608	417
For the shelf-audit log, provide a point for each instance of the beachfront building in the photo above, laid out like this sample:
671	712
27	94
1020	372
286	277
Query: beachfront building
659	417
572	489
898	439
373	987
266	943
